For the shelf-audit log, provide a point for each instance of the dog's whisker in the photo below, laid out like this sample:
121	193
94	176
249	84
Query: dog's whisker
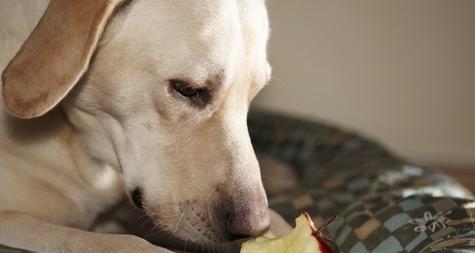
228	247
180	217
276	79
184	246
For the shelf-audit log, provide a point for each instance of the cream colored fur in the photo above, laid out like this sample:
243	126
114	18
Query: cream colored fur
122	127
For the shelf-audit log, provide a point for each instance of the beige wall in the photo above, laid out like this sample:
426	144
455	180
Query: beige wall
400	71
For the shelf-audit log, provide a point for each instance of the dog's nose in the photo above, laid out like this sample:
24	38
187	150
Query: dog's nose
248	223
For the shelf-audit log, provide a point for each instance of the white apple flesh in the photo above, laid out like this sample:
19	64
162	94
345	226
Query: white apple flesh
304	238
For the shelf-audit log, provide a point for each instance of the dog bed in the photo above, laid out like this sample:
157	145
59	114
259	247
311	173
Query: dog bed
385	204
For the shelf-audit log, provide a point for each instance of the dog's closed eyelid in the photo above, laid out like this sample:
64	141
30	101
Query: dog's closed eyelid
196	95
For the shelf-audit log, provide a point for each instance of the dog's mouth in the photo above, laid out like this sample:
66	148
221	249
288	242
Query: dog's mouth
189	230
191	225
199	247
191	242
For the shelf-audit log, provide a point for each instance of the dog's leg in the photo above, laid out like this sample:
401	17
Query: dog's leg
26	232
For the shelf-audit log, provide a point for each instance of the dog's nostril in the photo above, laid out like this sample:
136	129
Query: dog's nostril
137	197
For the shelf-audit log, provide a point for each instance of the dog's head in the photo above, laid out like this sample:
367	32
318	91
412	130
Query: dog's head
162	92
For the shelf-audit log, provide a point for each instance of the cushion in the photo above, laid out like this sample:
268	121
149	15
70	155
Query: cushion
385	204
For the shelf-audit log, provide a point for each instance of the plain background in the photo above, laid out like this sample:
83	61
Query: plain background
402	72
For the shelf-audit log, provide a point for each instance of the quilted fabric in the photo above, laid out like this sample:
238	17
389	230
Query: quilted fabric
385	205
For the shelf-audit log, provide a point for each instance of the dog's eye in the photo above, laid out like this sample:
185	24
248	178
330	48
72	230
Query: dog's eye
184	89
197	96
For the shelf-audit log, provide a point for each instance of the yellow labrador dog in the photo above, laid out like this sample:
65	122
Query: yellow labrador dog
150	96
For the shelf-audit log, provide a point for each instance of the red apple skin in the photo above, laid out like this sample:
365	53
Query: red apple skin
326	245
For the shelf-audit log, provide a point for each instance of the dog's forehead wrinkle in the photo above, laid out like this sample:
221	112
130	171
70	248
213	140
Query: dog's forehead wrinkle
198	35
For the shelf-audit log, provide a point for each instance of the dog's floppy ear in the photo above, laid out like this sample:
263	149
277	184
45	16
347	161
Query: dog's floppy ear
55	55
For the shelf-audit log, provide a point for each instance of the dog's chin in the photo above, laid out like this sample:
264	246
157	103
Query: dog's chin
228	247
187	241
194	232
198	245
207	247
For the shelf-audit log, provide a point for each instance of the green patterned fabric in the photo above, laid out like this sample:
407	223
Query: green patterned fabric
385	205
